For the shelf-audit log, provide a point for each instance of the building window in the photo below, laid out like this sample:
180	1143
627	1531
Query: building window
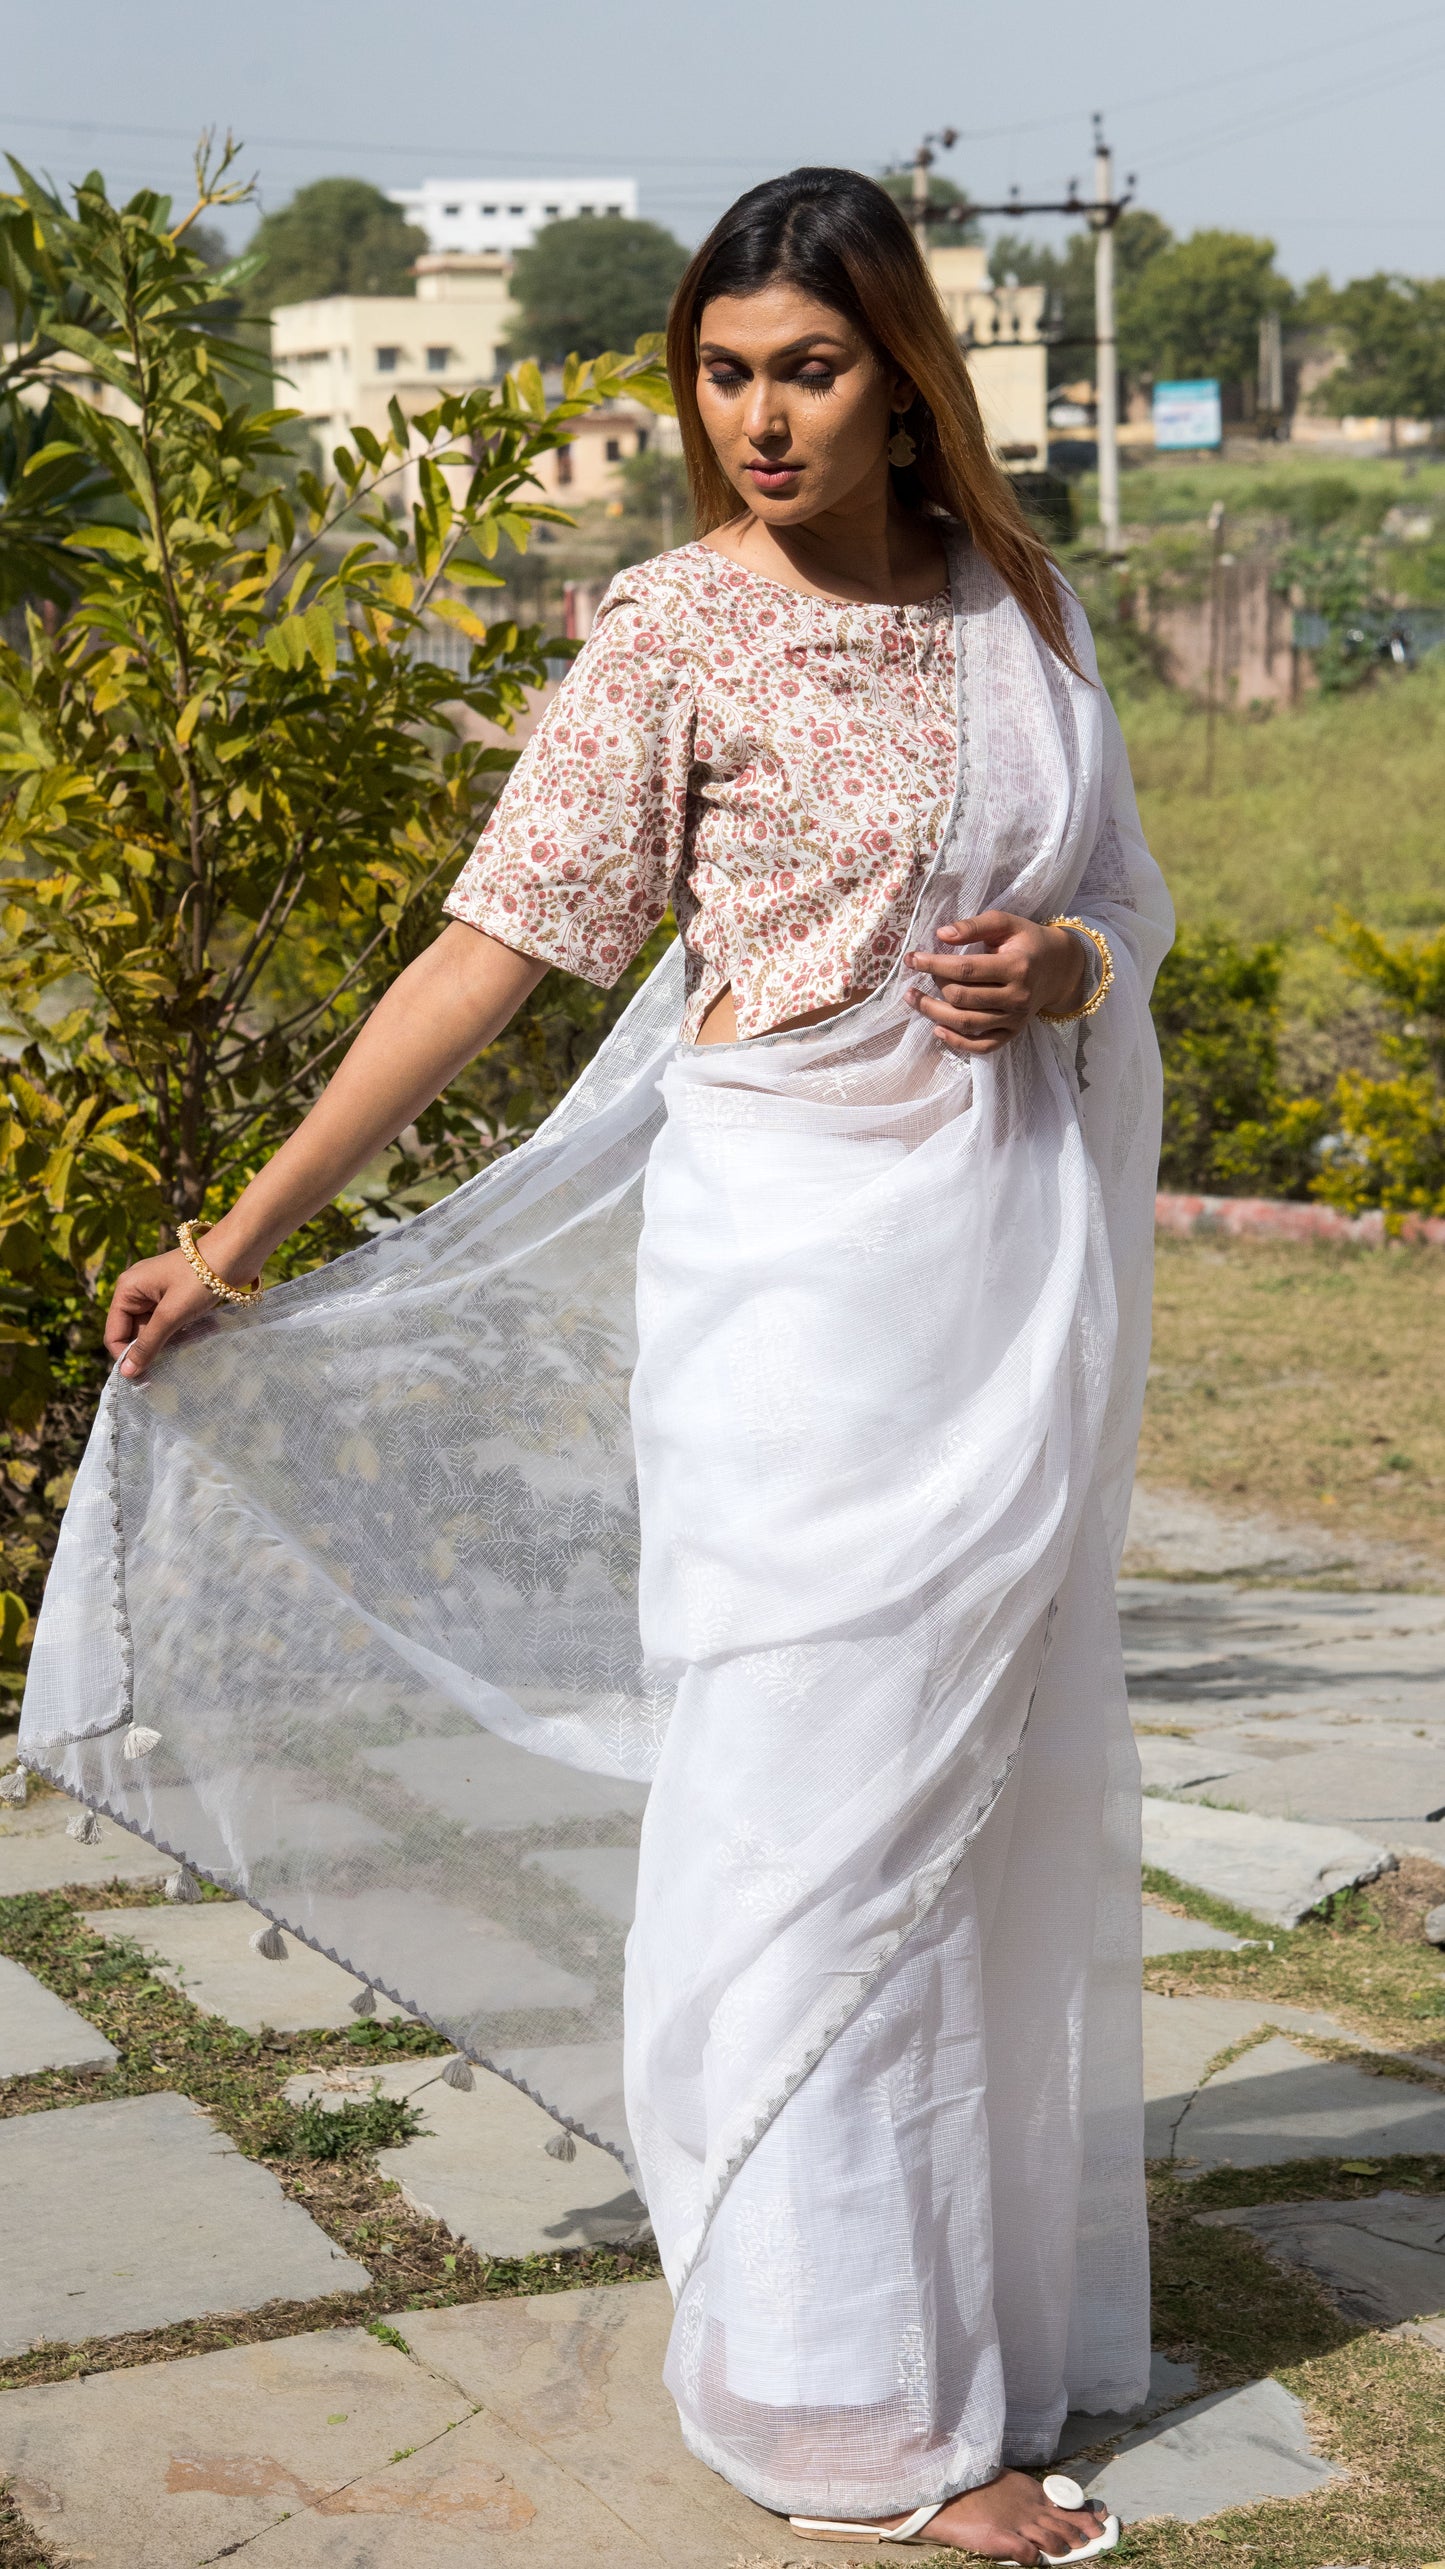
614	450
586	209
564	467
436	360
516	209
387	360
552	211
614	209
641	446
491	209
452	210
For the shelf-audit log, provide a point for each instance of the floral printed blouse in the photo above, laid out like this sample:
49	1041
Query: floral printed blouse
779	767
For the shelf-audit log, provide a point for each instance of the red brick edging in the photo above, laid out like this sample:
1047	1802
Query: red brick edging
1260	1217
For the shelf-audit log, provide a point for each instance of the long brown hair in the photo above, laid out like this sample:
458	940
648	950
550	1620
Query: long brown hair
840	237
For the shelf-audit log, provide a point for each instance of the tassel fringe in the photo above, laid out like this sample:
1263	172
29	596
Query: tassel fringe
561	2146
364	2003
139	1741
269	1942
458	2073
85	1827
15	1787
182	1885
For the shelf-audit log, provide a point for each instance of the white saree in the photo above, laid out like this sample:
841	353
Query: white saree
760	1433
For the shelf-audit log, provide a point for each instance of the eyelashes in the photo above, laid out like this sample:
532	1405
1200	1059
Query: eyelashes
802	383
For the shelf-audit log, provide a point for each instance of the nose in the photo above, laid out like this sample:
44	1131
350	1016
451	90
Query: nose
764	418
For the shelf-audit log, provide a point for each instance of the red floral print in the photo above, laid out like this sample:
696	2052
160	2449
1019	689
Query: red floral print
778	767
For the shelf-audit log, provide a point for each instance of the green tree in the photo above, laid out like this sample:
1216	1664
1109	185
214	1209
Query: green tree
1195	308
591	282
337	236
229	787
1393	329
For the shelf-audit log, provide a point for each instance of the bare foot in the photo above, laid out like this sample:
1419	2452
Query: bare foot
1010	2519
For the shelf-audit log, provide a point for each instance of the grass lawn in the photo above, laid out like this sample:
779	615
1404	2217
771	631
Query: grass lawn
1302	1380
1335	801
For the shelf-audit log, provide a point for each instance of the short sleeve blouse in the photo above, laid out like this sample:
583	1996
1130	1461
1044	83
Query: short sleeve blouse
778	767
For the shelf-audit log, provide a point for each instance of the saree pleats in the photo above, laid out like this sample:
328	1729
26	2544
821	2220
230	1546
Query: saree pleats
713	1507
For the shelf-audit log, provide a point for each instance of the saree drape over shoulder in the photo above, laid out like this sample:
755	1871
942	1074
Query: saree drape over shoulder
711	1511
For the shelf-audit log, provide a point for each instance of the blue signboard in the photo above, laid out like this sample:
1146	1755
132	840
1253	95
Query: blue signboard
1187	415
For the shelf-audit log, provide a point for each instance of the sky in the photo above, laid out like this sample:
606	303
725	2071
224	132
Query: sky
1315	122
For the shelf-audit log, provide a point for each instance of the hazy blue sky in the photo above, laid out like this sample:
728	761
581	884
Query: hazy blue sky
1315	121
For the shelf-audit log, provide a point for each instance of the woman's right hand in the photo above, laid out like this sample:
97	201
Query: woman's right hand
153	1299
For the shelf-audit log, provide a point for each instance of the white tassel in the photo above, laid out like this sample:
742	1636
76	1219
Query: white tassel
85	1826
561	2146
182	1885
364	2003
270	1942
139	1742
458	2073
15	1787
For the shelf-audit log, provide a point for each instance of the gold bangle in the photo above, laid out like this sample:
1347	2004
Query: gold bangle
1101	989
186	1242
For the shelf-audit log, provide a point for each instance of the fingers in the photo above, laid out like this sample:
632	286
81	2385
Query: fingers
988	1021
154	1326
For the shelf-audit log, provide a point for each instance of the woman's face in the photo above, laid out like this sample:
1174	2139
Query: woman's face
797	404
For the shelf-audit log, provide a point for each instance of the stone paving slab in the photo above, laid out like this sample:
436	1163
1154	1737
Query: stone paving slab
1205	1654
1174	1765
136	2212
1166	1934
482	2166
1354	1787
38	2031
165	2465
1276	2102
1381	2258
1277	1870
1233	2449
205	1951
1170	2385
580	2374
36	1854
1183	2035
531	2432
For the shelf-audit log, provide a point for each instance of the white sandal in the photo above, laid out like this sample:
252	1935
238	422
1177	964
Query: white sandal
1062	2491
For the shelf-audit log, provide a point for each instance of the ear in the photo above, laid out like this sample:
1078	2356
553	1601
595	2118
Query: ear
902	390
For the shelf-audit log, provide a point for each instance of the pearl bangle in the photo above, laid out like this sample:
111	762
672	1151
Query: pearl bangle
186	1241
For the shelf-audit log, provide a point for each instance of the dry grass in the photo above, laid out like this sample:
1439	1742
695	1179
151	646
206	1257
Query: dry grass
1300	1380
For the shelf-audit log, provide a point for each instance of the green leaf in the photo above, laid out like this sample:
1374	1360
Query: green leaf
320	636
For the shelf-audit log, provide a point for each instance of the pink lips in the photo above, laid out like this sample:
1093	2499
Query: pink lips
773	477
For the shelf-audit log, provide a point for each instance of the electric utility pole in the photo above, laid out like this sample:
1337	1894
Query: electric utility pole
1106	368
922	164
1101	212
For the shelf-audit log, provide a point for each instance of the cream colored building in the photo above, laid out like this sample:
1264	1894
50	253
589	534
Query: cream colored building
1001	331
347	356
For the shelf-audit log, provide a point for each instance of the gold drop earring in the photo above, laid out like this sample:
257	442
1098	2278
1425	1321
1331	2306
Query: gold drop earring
901	449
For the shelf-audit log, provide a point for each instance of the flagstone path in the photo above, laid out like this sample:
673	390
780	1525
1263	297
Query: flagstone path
1291	1740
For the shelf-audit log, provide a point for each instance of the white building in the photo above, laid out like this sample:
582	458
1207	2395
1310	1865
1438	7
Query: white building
506	214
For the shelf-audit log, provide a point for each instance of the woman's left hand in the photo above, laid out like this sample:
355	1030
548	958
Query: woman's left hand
979	1002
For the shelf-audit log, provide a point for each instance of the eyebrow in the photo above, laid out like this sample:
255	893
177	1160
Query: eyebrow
794	348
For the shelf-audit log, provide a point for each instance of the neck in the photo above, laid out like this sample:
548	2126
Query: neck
868	549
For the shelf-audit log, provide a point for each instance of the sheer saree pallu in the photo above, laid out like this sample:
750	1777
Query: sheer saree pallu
760	1434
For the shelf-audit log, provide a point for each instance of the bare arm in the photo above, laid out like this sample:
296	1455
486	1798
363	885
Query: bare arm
436	1017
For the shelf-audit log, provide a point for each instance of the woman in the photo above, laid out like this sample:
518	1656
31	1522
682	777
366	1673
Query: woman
370	1575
